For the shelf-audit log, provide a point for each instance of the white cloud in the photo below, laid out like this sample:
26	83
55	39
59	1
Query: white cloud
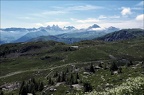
102	17
140	3
109	17
84	7
64	10
88	20
84	25
73	19
55	11
140	17
52	12
114	16
25	18
39	24
122	24
126	11
137	8
44	14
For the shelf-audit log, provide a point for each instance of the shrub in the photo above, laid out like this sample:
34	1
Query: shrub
87	87
113	67
92	68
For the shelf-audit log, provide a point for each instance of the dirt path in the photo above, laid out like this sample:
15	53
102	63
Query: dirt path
51	69
11	74
19	72
112	57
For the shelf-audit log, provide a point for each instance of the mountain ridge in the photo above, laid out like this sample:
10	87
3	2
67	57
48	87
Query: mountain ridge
55	38
123	34
12	35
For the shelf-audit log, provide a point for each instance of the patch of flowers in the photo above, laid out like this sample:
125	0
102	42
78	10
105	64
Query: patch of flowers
132	86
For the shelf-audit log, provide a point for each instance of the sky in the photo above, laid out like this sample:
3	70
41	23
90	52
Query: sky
80	14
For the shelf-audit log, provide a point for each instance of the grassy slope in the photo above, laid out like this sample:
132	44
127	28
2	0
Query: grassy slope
88	51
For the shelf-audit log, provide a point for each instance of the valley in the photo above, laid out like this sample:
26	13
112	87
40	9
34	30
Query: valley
72	47
89	67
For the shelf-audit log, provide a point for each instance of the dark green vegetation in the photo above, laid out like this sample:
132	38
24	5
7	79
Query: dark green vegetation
45	68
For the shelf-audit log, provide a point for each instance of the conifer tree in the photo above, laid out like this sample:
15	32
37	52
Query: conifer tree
41	87
87	87
49	82
76	81
113	67
129	63
143	66
71	79
105	66
56	74
33	92
63	76
59	78
100	65
36	86
1	92
92	68
24	91
77	76
119	70
21	87
67	70
52	82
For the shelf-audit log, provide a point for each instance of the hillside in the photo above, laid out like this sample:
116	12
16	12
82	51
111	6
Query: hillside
31	35
55	38
123	34
41	60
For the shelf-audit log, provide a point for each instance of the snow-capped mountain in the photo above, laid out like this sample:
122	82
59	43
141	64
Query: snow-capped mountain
94	26
69	28
91	32
9	35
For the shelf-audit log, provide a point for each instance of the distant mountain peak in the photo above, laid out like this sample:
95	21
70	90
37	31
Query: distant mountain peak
69	28
48	27
53	27
112	27
94	26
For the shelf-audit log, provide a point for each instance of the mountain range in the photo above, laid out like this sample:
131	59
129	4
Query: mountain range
67	34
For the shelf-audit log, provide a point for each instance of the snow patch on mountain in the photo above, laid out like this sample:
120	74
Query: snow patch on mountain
22	34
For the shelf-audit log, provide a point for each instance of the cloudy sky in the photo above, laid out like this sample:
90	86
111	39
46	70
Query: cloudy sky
81	14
